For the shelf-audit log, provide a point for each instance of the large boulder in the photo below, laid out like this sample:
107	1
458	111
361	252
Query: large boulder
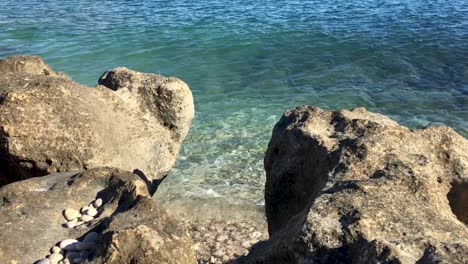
128	221
356	187
48	123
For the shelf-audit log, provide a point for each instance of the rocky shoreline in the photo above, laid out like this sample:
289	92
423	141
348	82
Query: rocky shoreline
80	168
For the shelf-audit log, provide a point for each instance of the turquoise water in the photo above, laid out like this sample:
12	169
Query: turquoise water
249	61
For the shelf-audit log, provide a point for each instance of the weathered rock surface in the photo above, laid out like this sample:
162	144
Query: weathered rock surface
356	187
48	123
32	219
145	234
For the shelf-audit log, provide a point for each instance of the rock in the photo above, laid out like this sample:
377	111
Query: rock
145	234
32	65
71	255
71	214
356	187
31	209
49	124
91	237
85	246
78	260
68	244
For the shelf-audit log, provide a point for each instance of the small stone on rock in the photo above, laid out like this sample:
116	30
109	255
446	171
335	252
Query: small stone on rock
91	211
43	261
68	244
55	250
71	214
56	257
97	203
86	218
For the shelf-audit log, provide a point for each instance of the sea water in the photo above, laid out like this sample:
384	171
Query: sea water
249	61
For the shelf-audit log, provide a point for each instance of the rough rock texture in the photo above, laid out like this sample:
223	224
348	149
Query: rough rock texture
356	187
145	234
32	220
49	123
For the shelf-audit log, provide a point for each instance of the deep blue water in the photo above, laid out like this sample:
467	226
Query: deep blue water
249	61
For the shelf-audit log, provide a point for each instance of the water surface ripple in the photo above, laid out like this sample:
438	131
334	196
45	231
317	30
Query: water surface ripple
248	61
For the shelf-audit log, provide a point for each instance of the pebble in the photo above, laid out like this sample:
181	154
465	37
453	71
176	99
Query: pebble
91	237
86	218
56	257
91	211
43	261
55	250
84	209
97	203
72	223
66	261
71	214
68	244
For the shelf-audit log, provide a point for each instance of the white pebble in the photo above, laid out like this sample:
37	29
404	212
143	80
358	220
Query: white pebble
56	257
55	250
91	211
91	237
86	218
85	245
43	261
78	260
71	214
66	261
68	244
84	209
72	223
97	203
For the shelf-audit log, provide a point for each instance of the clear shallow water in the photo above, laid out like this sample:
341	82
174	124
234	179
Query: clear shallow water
247	63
